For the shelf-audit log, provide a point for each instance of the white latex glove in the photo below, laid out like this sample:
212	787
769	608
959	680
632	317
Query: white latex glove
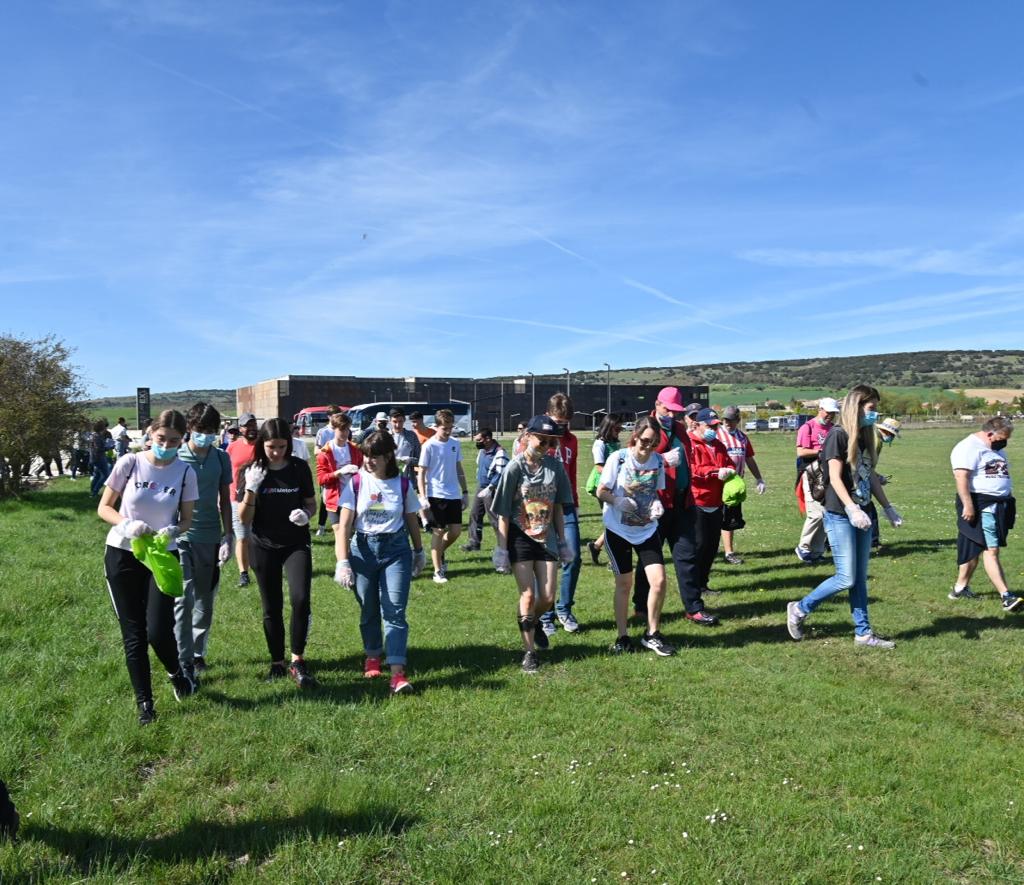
657	510
402	463
224	552
134	528
672	457
501	562
485	493
299	516
170	532
858	518
419	561
344	575
725	472
623	504
465	500
424	502
565	554
254	476
348	470
762	487
893	515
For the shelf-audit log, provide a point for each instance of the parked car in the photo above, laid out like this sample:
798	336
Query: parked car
794	422
775	422
756	424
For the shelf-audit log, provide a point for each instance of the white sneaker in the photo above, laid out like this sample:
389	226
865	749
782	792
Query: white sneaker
440	578
320	532
795	621
869	640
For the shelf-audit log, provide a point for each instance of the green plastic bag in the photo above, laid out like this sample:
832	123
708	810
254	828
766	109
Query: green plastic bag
151	551
734	491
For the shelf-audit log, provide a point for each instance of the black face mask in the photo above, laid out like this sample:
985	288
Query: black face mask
479	445
999	444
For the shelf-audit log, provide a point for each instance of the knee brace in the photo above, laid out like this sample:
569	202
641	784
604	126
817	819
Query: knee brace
526	622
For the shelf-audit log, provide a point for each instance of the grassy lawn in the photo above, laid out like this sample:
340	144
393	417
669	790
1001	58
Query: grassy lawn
745	758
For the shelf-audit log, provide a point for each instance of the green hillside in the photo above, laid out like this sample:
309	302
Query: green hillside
111	407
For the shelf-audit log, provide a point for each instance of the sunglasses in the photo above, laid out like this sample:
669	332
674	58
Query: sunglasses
645	442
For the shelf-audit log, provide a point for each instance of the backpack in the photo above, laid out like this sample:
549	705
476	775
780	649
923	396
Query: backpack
817	479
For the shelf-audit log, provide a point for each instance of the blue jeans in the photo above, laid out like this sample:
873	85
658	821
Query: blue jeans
851	550
383	569
100	471
570	571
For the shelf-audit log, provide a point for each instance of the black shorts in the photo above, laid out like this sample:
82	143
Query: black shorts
732	518
334	516
620	552
522	548
445	512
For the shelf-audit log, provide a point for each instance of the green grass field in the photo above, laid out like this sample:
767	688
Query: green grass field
745	758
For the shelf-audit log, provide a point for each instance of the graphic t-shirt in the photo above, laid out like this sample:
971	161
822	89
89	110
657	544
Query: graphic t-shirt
213	470
738	445
380	508
857	484
527	497
438	460
150	493
989	470
812	435
629	478
284	490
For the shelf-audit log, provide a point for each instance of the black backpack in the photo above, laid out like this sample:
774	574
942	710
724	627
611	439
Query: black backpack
817	479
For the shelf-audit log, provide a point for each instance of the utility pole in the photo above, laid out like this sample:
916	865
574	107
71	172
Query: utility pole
533	394
568	380
608	411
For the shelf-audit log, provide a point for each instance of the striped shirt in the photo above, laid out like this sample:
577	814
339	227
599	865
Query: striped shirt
738	444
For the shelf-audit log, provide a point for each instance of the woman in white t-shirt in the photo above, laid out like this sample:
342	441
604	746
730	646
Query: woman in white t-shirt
629	487
605	445
379	511
157	494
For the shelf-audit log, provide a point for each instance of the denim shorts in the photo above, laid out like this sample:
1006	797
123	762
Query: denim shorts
988	526
240	529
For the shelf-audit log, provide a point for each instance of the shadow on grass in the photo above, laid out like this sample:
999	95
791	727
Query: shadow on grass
967	627
201	839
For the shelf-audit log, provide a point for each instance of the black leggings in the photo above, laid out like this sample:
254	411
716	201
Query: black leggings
146	616
269	564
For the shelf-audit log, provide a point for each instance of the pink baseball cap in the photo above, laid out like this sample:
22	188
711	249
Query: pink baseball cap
670	399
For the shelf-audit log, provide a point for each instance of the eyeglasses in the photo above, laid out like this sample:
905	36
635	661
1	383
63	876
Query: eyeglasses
645	442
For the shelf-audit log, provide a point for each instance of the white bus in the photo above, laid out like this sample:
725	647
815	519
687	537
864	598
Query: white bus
363	415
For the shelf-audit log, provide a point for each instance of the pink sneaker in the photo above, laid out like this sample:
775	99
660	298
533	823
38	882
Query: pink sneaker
400	685
371	669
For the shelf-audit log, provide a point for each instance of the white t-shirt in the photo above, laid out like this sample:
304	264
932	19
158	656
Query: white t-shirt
627	477
150	493
379	509
989	470
438	460
300	449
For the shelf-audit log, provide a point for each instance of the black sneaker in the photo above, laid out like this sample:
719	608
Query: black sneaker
531	662
199	664
1011	602
702	618
146	713
623	645
243	579
182	685
469	548
733	559
656	642
595	552
540	638
303	678
277	671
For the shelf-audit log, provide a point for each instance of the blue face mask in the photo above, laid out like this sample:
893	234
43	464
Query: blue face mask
203	440
710	435
164	454
868	419
665	421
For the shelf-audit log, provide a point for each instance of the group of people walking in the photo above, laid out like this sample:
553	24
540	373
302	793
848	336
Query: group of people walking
668	485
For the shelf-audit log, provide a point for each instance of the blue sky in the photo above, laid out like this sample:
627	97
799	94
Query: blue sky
201	194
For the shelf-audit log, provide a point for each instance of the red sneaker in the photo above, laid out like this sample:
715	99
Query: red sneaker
702	618
400	685
371	669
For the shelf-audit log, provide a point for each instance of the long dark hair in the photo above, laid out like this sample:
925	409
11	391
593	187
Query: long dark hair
275	428
381	445
607	431
648	422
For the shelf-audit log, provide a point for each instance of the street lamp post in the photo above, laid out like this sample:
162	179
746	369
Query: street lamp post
533	394
449	391
501	417
608	411
568	380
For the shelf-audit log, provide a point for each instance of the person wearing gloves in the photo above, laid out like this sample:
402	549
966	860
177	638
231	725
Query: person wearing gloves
407	444
810	440
207	545
442	490
850	455
531	530
629	489
336	462
379	513
710	467
157	494
276	502
491	461
741	451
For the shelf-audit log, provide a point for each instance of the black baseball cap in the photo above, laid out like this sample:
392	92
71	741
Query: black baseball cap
544	426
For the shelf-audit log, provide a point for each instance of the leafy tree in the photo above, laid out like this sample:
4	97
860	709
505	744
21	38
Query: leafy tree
40	392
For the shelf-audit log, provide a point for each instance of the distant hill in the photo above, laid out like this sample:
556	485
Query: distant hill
951	369
182	400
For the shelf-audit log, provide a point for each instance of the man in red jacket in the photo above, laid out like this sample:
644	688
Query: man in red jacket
677	525
710	466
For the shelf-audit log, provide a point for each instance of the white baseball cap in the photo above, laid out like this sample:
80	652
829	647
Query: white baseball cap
828	404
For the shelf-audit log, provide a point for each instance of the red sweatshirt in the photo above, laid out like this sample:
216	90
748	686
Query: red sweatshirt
325	467
706	459
567	451
668	494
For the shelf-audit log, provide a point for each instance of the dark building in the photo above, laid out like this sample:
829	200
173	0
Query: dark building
497	404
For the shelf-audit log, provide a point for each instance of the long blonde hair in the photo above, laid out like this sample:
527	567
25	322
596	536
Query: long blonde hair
860	438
